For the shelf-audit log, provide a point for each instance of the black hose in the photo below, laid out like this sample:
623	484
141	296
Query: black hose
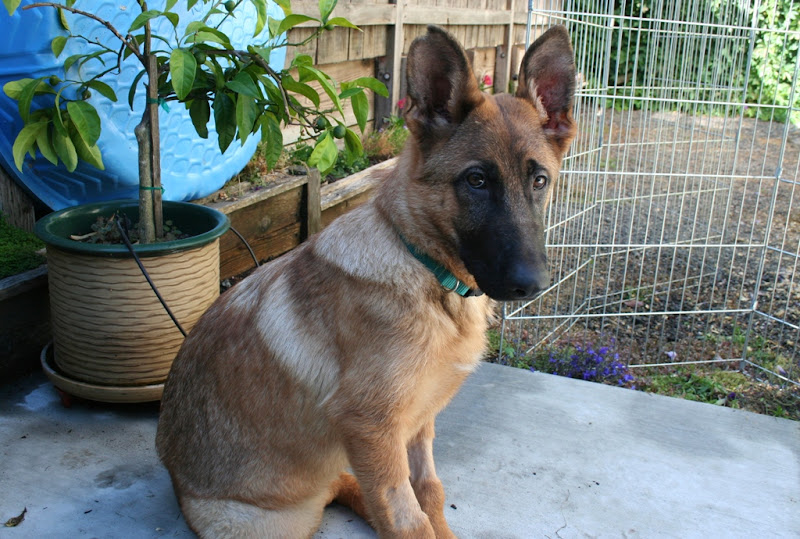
128	244
246	245
147	276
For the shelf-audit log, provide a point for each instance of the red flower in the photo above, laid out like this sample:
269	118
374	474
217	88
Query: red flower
487	80
401	104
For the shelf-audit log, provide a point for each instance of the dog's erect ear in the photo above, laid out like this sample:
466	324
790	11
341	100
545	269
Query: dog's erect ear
547	79
441	85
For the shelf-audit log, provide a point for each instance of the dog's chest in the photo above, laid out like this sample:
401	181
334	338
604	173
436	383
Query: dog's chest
446	357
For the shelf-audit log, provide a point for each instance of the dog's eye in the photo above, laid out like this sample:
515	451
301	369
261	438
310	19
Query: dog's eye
539	182
476	179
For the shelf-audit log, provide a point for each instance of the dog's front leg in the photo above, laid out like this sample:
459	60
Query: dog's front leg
427	486
380	462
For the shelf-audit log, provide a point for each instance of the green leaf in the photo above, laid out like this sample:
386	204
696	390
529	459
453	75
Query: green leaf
14	88
62	17
272	137
103	89
200	112
26	97
373	84
65	150
325	9
11	5
291	21
57	45
300	88
142	19
219	74
285	5
308	73
352	145
87	152
242	83
98	55
201	32
341	21
43	141
275	96
261	12
273	25
225	120
214	36
170	4
86	121
263	52
246	115
325	153
193	27
360	109
350	92
58	122
174	18
134	85
71	60
26	141
302	60
182	67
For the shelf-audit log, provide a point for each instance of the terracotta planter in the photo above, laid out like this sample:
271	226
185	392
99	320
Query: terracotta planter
111	335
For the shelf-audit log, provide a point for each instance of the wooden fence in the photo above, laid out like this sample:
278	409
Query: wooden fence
492	32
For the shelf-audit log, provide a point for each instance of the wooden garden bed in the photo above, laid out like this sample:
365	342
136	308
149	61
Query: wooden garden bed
278	217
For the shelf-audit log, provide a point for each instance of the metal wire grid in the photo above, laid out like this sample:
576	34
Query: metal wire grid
675	229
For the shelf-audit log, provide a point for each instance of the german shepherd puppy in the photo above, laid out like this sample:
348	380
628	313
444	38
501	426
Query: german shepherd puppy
319	377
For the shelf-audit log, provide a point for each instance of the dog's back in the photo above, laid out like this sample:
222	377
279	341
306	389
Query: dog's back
340	354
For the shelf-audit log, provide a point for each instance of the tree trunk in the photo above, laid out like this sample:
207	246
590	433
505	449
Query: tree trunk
151	221
147	231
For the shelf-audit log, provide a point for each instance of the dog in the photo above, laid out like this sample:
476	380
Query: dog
319	377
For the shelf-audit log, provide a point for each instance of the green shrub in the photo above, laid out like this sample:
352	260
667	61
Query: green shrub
17	250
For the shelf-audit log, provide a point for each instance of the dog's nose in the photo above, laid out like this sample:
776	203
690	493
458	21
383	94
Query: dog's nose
526	281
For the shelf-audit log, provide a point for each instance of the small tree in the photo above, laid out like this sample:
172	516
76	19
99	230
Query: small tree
200	69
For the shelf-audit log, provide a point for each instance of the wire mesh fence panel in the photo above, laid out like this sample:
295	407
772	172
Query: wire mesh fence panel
674	231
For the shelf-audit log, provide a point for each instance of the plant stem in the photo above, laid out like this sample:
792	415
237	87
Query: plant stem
150	216
155	138
147	233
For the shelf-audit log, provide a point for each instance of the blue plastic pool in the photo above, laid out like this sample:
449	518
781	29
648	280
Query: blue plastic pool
192	167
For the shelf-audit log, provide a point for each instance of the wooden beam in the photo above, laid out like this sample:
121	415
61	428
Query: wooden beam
388	68
386	14
15	204
313	213
503	65
454	16
396	35
358	14
268	218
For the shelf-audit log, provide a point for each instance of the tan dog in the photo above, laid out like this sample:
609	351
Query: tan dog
339	355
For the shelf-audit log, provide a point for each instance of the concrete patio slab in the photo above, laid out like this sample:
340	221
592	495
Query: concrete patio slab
521	455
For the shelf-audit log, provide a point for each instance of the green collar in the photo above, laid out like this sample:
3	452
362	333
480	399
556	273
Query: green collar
448	281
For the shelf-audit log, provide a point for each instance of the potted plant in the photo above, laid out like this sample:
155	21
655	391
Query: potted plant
112	340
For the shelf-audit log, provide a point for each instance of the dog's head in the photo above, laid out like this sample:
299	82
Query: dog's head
486	164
